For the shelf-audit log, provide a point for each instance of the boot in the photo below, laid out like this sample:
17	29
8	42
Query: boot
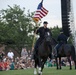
34	53
55	52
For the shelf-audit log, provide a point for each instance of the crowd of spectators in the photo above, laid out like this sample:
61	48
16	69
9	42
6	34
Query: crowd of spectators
10	62
64	62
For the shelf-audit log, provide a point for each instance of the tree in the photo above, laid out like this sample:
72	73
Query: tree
55	32
16	27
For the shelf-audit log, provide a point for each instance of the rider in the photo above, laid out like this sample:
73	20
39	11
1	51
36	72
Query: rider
41	31
62	39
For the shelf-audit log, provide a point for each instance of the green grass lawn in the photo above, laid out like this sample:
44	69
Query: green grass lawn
46	71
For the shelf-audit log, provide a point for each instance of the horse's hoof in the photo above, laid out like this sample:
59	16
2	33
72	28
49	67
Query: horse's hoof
60	68
39	73
70	68
35	73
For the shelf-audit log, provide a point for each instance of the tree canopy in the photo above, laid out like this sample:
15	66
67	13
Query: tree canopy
16	26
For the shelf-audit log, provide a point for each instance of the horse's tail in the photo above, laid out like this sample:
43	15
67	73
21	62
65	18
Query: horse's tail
73	55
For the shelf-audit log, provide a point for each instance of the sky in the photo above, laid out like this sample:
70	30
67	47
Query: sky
53	6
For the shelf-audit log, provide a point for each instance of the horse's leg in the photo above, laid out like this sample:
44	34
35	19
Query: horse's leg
43	62
42	66
39	66
60	62
56	62
35	67
73	55
75	63
69	60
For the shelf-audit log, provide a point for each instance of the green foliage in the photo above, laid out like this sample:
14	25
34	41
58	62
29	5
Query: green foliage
16	27
55	32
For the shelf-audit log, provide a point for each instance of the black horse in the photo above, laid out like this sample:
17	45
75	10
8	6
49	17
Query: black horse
66	50
43	53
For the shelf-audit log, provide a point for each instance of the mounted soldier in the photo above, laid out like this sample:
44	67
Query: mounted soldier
41	31
62	39
63	49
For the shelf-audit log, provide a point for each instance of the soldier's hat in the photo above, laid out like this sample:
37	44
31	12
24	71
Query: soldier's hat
45	22
61	31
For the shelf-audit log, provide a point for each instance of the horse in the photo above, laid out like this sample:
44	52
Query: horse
66	50
43	53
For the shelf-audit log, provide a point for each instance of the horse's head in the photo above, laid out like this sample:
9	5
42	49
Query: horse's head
48	37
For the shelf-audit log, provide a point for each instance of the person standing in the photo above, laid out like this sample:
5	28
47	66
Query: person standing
24	53
10	54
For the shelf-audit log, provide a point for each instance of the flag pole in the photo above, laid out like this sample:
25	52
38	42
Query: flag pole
34	37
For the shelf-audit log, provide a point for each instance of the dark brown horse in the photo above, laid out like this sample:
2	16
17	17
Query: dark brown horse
66	50
43	53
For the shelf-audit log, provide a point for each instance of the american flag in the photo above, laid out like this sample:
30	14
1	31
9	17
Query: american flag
40	13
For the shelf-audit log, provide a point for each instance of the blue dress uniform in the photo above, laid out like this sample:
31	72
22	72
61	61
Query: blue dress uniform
62	39
41	31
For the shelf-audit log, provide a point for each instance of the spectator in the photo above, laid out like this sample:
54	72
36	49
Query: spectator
8	64
1	54
4	58
17	59
29	63
29	53
10	54
24	53
63	63
0	65
12	65
22	65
